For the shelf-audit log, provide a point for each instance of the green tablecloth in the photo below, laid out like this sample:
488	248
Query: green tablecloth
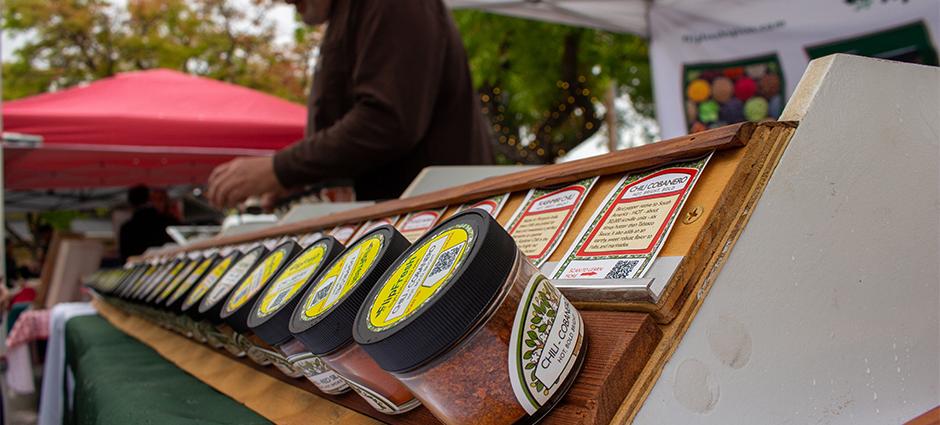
120	381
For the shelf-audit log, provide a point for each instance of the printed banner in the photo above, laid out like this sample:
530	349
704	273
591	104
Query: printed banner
416	224
722	61
626	233
542	220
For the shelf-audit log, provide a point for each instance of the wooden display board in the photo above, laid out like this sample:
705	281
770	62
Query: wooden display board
629	340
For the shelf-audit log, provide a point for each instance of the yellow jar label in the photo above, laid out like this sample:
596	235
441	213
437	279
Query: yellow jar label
416	279
177	279
190	280
214	275
256	280
144	278
292	280
345	274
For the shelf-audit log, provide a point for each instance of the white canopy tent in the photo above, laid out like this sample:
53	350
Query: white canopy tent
629	16
703	41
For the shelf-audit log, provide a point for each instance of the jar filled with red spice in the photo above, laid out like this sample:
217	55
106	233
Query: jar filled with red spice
271	313
323	321
237	307
472	328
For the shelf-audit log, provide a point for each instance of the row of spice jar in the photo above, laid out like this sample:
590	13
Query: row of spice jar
460	322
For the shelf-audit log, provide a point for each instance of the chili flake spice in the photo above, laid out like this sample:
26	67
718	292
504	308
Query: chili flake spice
471	327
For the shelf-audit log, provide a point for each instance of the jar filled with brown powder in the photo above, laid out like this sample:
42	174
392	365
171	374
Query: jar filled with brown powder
271	313
472	328
323	321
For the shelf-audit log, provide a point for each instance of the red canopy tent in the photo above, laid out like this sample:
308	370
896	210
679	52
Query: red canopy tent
157	127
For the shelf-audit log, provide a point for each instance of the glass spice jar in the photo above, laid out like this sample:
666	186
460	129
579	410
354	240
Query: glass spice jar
182	322
190	304
237	307
212	325
170	287
170	277
149	274
173	301
323	321
138	271
201	330
271	313
472	328
211	305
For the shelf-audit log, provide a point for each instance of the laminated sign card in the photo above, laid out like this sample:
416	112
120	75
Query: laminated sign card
626	233
415	224
372	224
544	217
344	233
491	205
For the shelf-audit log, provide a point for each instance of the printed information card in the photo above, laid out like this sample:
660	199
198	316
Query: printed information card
542	220
344	233
626	233
415	224
372	224
492	205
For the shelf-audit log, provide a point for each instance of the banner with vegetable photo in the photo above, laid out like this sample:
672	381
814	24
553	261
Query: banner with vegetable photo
718	94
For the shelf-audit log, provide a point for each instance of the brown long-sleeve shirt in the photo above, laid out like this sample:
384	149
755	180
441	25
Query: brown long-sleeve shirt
391	95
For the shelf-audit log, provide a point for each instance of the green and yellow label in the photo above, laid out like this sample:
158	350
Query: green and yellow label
292	280
208	282
343	276
253	283
420	276
190	280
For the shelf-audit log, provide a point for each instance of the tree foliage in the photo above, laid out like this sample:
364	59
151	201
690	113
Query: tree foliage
73	41
543	85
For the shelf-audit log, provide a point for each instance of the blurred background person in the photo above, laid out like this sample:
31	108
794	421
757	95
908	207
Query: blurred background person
146	227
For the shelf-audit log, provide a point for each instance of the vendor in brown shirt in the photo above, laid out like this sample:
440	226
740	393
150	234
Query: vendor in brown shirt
391	95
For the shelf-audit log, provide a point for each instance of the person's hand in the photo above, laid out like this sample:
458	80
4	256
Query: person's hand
270	200
236	180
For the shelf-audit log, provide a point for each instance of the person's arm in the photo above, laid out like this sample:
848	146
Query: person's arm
400	52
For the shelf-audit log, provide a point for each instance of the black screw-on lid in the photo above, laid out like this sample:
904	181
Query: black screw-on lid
172	273
211	304
159	297
237	306
283	293
470	257
129	280
179	294
336	296
189	304
157	274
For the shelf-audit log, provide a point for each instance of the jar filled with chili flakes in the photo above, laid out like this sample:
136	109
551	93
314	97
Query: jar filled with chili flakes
271	313
323	321
472	328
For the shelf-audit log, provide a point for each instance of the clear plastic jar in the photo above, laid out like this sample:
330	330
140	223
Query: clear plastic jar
323	320
492	341
379	388
313	368
270	315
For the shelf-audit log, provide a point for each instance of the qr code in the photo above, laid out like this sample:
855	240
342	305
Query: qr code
623	269
443	264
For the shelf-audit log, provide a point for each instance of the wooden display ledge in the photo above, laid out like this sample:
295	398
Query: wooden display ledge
740	154
629	341
618	345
